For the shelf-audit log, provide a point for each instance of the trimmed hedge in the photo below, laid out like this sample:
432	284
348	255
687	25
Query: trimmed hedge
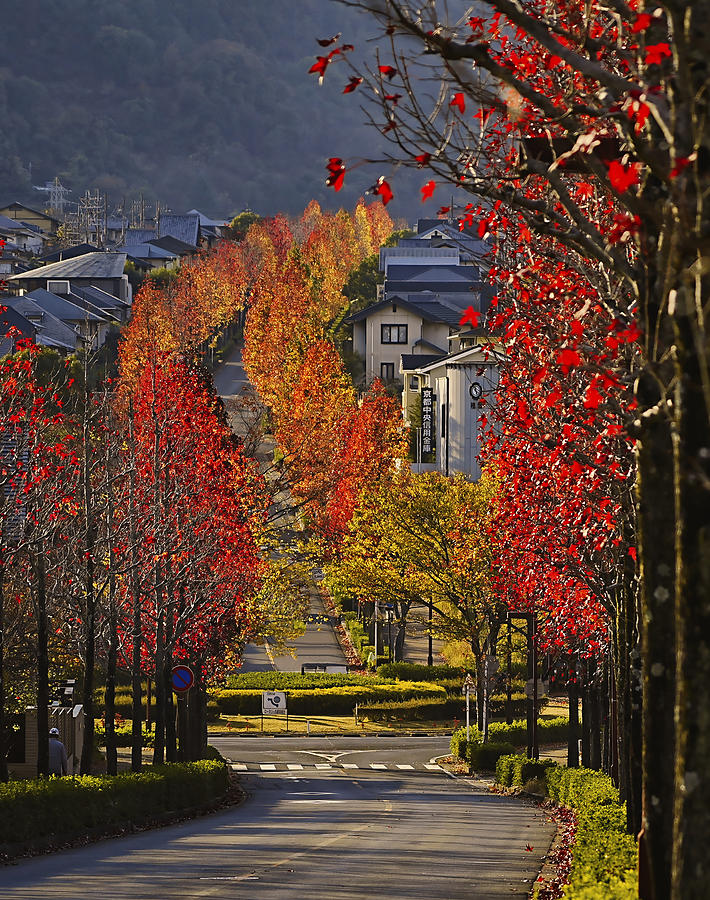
337	701
70	807
484	757
449	708
404	671
604	855
549	731
288	681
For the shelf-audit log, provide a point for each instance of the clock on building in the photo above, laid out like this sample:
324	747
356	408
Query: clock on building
475	390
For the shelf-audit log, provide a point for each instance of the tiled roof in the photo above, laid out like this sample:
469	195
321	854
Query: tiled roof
62	309
411	361
90	265
148	251
69	253
101	299
184	228
51	331
135	236
168	242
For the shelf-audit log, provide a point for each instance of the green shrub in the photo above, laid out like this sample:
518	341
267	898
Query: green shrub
287	681
418	709
604	855
549	731
124	735
404	671
70	807
483	757
335	701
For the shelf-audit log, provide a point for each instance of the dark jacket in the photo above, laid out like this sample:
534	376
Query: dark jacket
57	757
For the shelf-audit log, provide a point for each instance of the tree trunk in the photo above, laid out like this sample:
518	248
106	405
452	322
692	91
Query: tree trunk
42	661
691	862
573	735
111	749
655	516
3	727
159	745
137	630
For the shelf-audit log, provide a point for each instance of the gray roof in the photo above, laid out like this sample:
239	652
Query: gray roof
68	253
148	251
168	242
90	265
14	225
428	308
206	222
444	275
134	236
62	309
411	361
51	331
184	228
101	299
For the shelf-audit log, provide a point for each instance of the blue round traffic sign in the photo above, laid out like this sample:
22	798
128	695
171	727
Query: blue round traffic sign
183	679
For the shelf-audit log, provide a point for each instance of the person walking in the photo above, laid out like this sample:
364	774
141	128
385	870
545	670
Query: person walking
57	754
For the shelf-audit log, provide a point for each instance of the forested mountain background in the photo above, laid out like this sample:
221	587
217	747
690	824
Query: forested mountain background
201	103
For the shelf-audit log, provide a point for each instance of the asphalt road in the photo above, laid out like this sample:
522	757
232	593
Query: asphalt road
393	754
318	835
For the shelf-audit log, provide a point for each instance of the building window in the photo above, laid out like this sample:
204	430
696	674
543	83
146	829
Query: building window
414	383
387	371
394	334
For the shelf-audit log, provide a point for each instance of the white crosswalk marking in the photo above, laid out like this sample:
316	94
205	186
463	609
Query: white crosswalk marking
299	767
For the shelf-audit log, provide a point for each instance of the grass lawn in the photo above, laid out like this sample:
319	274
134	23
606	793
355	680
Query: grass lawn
322	725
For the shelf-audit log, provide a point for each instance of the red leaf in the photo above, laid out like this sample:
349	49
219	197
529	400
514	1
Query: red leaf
337	170
552	61
443	210
656	53
352	84
459	102
642	22
632	553
622	178
393	98
326	42
428	190
383	189
568	358
388	71
422	159
319	67
592	398
470	315
528	848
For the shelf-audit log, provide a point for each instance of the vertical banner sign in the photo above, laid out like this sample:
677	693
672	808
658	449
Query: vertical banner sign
427	419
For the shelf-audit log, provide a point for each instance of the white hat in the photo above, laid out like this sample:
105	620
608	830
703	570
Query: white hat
54	731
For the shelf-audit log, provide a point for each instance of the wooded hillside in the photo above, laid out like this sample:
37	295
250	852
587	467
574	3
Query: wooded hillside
203	104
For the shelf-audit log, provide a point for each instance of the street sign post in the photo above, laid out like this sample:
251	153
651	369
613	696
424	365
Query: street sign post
467	687
273	703
182	679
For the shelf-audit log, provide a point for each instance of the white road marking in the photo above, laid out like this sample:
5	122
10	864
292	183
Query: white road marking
433	767
267	767
378	766
323	766
294	767
239	767
350	766
404	766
